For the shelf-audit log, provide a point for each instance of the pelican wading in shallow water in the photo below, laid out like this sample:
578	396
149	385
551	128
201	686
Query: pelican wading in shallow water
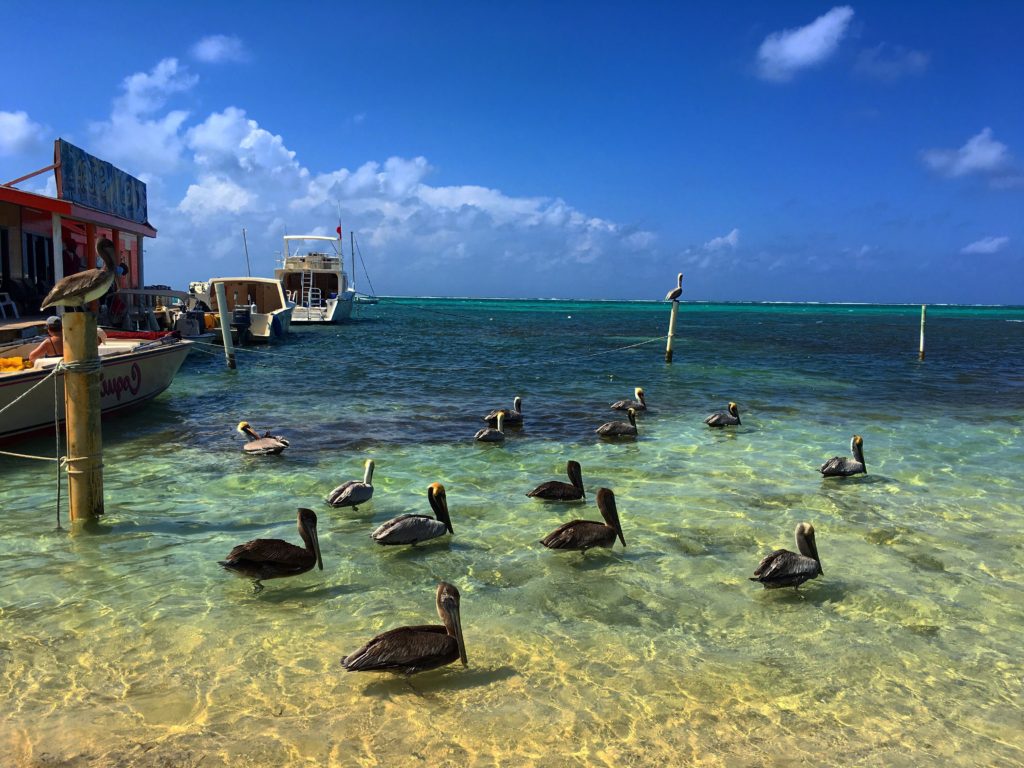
640	404
261	446
513	418
676	292
412	529
408	650
82	287
353	492
556	490
620	428
841	466
262	559
584	534
492	434
783	568
727	418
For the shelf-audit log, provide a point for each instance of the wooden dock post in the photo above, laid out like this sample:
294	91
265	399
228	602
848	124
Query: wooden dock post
82	408
225	324
920	351
671	331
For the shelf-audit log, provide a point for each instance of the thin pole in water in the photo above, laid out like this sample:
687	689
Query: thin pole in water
225	324
248	269
671	331
920	350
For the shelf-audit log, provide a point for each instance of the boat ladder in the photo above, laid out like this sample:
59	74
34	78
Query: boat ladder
311	296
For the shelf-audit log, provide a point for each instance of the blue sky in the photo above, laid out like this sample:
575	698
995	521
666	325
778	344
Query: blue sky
770	151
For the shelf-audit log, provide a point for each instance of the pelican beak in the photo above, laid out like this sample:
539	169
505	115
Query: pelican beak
439	503
457	621
316	546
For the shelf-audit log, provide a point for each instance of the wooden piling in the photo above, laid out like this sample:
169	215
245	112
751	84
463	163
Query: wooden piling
671	331
225	324
82	406
920	350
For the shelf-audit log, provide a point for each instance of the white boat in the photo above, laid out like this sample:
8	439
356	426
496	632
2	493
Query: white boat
258	307
312	271
133	371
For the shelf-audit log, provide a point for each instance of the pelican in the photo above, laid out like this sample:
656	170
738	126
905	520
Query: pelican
82	287
584	534
492	434
727	418
620	428
783	568
676	292
640	404
261	446
353	493
513	418
262	559
408	650
412	529
841	466
556	490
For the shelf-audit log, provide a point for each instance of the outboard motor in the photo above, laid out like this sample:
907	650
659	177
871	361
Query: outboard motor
241	319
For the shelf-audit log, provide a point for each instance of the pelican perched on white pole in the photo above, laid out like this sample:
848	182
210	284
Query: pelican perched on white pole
676	292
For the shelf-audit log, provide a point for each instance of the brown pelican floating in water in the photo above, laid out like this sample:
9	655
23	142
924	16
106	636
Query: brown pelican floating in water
783	568
727	418
676	292
513	418
492	434
261	446
82	287
640	404
408	650
262	559
619	428
585	534
556	490
352	493
412	529
841	466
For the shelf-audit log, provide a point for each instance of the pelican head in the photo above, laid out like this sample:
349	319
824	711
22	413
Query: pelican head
857	448
105	250
368	471
448	611
806	544
307	530
606	503
245	429
734	410
517	404
575	473
501	421
639	394
679	280
631	413
439	503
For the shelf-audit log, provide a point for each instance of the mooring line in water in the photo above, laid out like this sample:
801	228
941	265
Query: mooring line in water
300	358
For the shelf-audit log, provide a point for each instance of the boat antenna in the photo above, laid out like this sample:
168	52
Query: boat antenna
248	269
373	291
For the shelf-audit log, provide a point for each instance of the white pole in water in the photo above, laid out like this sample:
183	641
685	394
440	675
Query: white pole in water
920	351
671	331
225	324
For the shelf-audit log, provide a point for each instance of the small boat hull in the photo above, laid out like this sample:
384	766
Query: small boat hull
132	374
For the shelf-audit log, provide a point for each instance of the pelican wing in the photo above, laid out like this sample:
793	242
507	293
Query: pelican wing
625	405
80	288
841	466
556	490
579	534
489	435
616	429
406	649
721	419
511	417
265	551
350	494
408	529
265	446
783	568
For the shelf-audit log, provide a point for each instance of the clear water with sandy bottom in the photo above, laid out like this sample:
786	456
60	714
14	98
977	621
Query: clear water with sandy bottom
131	647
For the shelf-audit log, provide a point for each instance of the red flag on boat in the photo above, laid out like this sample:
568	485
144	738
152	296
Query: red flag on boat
338	230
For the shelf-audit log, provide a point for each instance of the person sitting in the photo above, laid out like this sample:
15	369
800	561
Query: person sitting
53	344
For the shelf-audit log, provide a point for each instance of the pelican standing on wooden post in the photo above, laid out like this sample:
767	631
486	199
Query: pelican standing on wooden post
582	535
408	650
353	492
77	290
673	296
783	568
262	559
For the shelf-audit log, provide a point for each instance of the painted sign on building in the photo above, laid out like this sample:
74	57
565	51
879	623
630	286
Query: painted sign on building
87	180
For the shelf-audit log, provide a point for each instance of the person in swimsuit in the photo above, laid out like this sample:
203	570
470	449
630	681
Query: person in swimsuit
53	344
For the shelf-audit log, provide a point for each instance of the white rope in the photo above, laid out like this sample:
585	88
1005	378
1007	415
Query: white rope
29	390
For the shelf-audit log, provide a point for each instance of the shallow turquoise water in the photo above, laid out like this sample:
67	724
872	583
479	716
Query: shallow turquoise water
132	647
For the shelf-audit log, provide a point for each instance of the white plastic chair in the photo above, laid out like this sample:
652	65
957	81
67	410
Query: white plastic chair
5	302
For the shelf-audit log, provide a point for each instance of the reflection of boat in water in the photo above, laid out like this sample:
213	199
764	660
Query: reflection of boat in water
258	307
313	274
133	372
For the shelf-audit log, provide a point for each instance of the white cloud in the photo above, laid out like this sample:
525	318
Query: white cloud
19	133
782	54
986	245
730	241
215	49
146	92
891	62
981	154
214	195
